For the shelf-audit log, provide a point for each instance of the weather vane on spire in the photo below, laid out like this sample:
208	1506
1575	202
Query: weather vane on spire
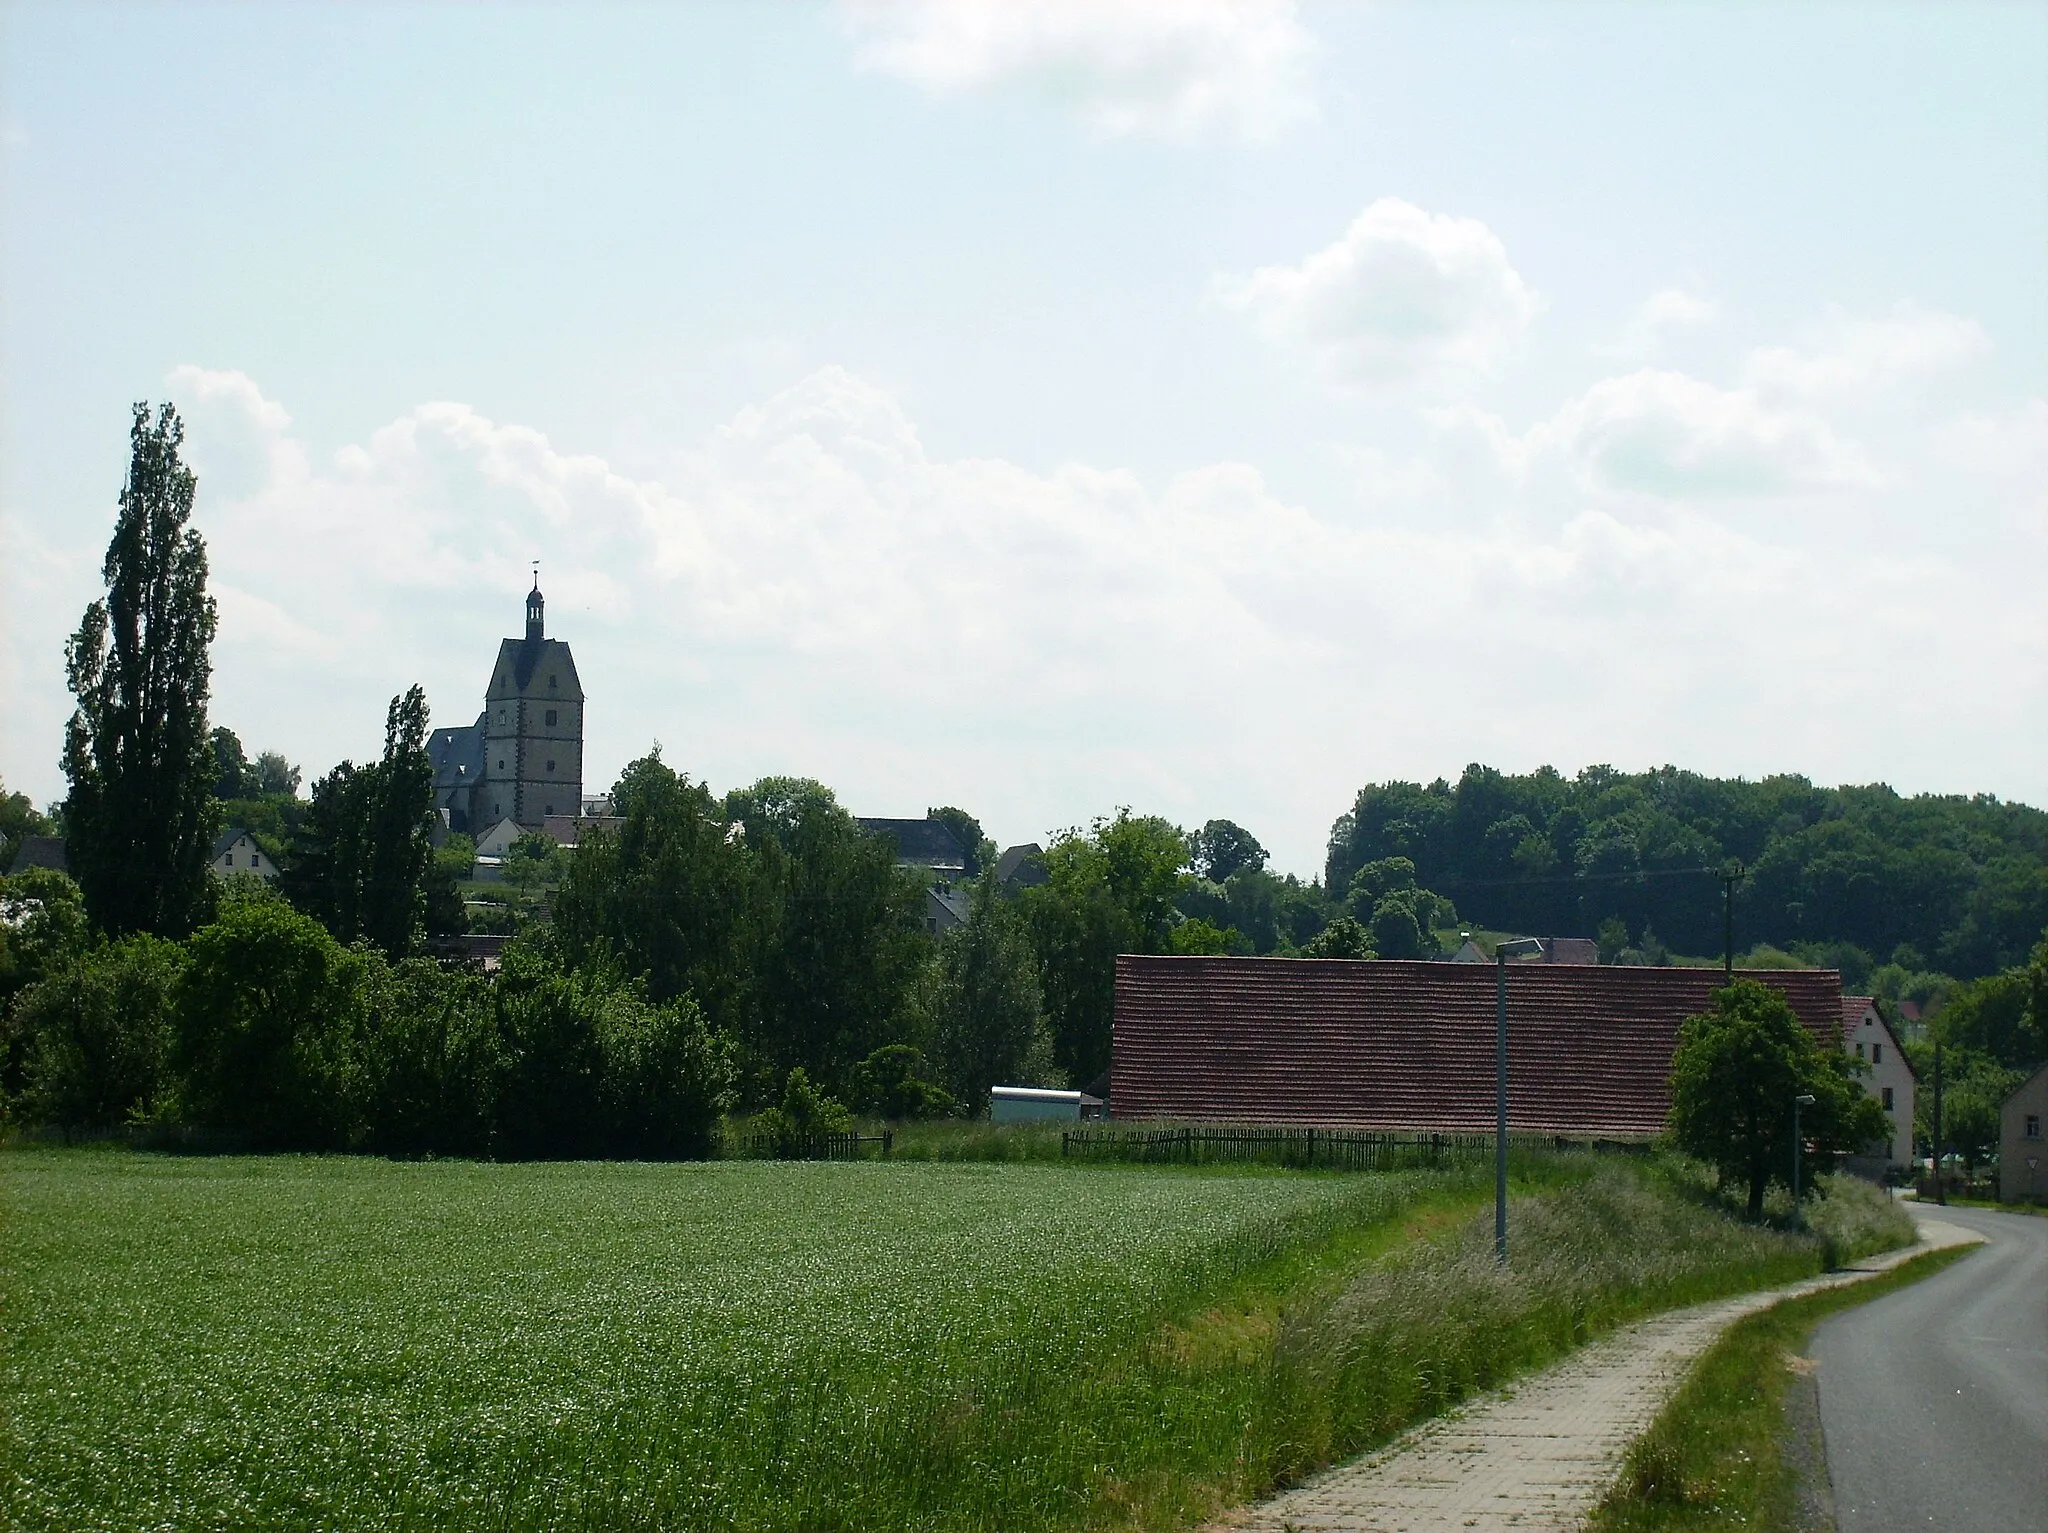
536	574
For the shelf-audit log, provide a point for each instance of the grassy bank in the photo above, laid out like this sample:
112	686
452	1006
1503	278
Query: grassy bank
1716	1457
352	1343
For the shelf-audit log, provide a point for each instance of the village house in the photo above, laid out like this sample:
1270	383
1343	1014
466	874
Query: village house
1888	1076
236	855
2023	1142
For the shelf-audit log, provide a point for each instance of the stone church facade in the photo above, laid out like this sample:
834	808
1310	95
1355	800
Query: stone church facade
522	760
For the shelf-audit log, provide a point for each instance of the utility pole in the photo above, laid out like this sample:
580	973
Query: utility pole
1940	1192
1804	1099
1729	879
1508	947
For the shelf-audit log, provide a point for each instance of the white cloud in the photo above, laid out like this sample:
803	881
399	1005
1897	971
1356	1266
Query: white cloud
810	589
1855	358
1172	69
1405	296
1665	311
1666	434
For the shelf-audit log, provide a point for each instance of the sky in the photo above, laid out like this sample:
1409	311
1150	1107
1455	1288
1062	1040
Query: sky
1054	405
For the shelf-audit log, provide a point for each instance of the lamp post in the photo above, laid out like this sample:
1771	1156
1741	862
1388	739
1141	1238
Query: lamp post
1804	1099
1512	947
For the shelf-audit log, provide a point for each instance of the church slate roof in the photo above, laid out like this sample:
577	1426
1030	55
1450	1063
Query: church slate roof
521	659
457	754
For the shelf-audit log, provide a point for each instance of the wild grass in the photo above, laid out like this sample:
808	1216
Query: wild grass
1716	1456
338	1343
1855	1219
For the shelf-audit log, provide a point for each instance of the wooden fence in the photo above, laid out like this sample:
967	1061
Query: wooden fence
848	1146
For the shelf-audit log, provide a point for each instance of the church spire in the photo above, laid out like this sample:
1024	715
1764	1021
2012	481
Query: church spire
536	604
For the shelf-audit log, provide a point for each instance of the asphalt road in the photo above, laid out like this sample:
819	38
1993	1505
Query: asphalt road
1934	1399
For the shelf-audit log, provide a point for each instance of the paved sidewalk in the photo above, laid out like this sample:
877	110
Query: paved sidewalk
1540	1454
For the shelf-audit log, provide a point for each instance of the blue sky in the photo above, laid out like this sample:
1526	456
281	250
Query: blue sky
1207	407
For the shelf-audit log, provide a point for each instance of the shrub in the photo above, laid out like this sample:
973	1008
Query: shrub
895	1082
268	1025
805	1114
433	1062
666	1079
592	1068
96	1032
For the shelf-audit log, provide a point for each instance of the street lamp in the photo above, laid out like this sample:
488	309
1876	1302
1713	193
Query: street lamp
1512	947
1804	1099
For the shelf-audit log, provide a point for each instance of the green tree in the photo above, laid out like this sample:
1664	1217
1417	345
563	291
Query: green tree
400	830
1397	930
989	1006
323	873
360	859
1197	937
1221	848
535	860
966	829
1974	1089
1112	889
1995	1017
1734	1078
276	776
591	1067
234	777
141	818
671	894
453	864
97	1032
842	939
19	818
43	925
1344	937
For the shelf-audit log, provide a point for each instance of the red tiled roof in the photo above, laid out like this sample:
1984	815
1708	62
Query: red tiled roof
1410	1045
1853	1008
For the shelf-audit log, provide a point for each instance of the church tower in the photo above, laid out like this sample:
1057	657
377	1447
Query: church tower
523	758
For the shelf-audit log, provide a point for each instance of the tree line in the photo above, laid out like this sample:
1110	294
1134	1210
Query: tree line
1861	876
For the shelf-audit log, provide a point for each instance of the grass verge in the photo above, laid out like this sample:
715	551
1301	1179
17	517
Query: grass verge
1716	1457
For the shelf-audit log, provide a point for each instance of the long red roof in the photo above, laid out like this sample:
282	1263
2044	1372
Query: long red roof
1410	1045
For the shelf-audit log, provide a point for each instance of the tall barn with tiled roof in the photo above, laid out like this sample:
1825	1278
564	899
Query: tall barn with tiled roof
522	760
1410	1045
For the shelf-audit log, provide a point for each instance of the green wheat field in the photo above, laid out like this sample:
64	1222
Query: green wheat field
338	1343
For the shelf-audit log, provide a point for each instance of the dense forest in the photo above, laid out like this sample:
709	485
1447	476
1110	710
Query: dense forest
1959	883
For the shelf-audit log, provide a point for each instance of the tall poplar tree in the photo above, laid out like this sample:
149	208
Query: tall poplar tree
401	817
141	817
